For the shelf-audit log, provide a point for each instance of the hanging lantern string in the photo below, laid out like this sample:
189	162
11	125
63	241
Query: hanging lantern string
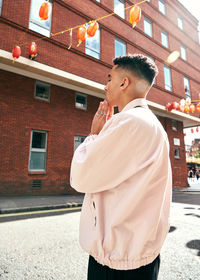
75	27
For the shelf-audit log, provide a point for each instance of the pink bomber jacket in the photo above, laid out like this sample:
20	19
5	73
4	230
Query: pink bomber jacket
125	172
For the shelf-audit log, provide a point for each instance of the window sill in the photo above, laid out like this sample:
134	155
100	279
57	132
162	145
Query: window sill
37	172
177	157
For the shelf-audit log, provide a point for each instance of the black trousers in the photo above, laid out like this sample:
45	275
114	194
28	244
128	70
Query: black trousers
97	271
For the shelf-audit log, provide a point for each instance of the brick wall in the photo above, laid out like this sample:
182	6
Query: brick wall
20	113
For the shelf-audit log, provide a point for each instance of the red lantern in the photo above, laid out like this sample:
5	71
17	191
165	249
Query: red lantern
44	11
197	129
192	108
175	105
16	52
198	107
81	34
169	107
184	134
192	130
187	108
135	15
32	50
92	29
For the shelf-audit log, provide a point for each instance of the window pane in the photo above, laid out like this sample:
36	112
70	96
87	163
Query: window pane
164	39
180	23
187	87
35	23
175	125
176	153
38	140
120	48
148	27
37	161
183	53
78	140
167	75
0	6
81	101
119	8
92	45
42	90
162	7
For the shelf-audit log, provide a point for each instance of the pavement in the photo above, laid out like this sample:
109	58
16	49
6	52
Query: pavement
37	203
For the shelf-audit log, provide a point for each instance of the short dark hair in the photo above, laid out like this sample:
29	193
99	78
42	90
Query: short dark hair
138	64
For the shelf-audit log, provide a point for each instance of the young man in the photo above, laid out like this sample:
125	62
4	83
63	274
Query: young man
123	166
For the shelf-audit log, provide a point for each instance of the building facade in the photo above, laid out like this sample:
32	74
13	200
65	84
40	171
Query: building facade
47	104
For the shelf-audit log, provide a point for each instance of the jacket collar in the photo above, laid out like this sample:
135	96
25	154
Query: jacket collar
136	102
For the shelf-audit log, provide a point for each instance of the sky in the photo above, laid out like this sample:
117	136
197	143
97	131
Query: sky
194	7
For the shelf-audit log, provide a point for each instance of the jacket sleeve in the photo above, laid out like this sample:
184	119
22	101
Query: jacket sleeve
121	149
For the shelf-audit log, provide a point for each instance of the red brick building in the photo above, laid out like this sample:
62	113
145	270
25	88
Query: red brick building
47	104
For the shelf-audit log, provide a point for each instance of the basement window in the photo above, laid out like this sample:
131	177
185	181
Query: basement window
42	91
81	101
176	153
0	6
78	140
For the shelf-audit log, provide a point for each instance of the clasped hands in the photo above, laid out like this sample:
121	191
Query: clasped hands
104	113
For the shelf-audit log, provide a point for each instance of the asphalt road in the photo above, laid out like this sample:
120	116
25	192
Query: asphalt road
45	245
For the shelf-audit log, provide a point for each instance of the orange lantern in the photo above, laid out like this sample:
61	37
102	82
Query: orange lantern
198	107
192	130
187	108
81	34
44	11
192	108
197	129
32	50
135	15
16	52
92	29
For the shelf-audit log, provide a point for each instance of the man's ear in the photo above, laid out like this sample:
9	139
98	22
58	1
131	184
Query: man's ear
125	83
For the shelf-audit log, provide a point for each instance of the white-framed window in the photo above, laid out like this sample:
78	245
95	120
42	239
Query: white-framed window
119	7
175	125
0	5
176	153
154	82
35	23
42	91
78	140
164	39
183	52
92	45
187	87
81	101
167	76
161	6
38	150
120	48
180	22
148	26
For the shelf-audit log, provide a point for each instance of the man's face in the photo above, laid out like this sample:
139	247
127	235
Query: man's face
113	87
